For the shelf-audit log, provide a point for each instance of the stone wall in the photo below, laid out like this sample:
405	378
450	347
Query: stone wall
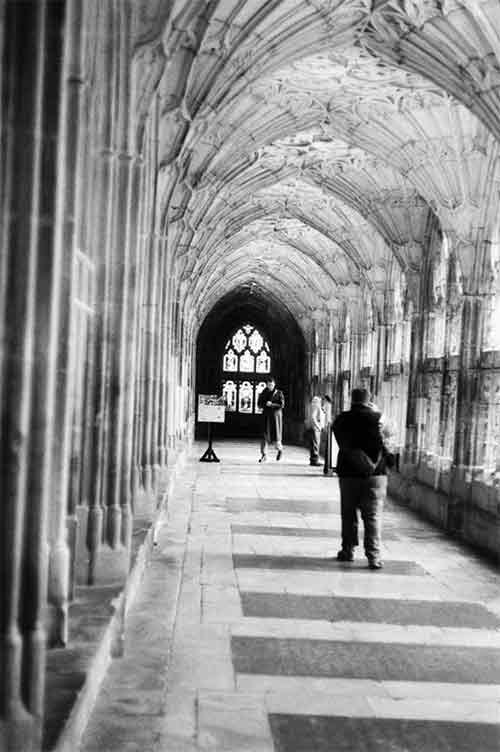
428	360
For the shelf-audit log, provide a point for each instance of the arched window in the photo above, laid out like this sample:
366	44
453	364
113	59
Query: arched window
245	364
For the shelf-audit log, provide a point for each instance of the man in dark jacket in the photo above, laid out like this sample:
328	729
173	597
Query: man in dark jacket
362	471
271	401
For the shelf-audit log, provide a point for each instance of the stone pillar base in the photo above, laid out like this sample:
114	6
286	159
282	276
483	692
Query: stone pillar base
20	734
56	625
143	503
72	528
147	479
82	554
111	566
155	478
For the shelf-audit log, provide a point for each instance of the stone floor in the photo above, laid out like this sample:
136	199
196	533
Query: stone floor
247	636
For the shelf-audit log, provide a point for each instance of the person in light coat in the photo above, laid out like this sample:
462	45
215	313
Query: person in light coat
316	424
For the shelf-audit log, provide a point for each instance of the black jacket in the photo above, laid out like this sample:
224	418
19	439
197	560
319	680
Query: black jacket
359	428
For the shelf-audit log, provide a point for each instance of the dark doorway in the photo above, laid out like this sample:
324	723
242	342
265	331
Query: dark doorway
256	314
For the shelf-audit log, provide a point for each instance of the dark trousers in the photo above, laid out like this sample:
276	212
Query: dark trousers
265	441
367	495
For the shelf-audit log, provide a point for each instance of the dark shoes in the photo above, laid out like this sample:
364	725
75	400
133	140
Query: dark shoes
315	463
344	555
278	456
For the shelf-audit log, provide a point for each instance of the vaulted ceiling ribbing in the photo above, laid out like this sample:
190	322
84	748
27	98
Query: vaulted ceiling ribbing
306	145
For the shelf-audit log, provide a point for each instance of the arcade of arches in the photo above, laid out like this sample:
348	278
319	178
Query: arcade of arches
327	171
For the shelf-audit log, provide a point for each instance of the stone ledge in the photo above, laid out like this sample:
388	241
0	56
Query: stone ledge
464	519
97	621
96	624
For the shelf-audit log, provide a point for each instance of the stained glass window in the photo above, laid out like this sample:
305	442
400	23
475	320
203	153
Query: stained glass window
258	389
247	362
247	359
239	341
229	394
246	397
230	361
263	362
255	341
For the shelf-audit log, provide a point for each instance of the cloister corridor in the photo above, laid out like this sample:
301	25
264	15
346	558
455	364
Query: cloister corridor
197	195
248	636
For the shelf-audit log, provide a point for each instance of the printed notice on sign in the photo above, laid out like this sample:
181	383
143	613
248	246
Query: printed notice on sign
211	408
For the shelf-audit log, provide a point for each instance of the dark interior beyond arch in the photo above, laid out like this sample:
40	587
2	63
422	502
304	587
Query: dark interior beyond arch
287	346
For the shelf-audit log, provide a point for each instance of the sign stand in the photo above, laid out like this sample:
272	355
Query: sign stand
211	409
209	454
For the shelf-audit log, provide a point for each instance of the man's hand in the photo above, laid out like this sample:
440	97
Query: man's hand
269	403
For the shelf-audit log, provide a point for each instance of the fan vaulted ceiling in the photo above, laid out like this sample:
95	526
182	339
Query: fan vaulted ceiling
305	146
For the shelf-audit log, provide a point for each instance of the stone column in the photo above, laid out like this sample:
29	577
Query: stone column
131	337
412	434
157	360
119	513
101	240
149	308
450	374
168	438
469	357
163	389
60	569
140	312
149	363
172	376
330	356
30	280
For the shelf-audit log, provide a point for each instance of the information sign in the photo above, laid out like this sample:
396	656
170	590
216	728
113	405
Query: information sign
211	408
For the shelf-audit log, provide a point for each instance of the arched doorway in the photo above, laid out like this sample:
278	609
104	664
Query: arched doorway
241	342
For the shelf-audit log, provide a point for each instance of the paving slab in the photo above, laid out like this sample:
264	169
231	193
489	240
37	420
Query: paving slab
299	532
382	610
354	632
284	506
300	733
360	660
339	582
321	695
332	531
320	564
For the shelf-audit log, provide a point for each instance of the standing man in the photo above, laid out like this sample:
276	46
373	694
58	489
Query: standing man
362	471
271	401
316	423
